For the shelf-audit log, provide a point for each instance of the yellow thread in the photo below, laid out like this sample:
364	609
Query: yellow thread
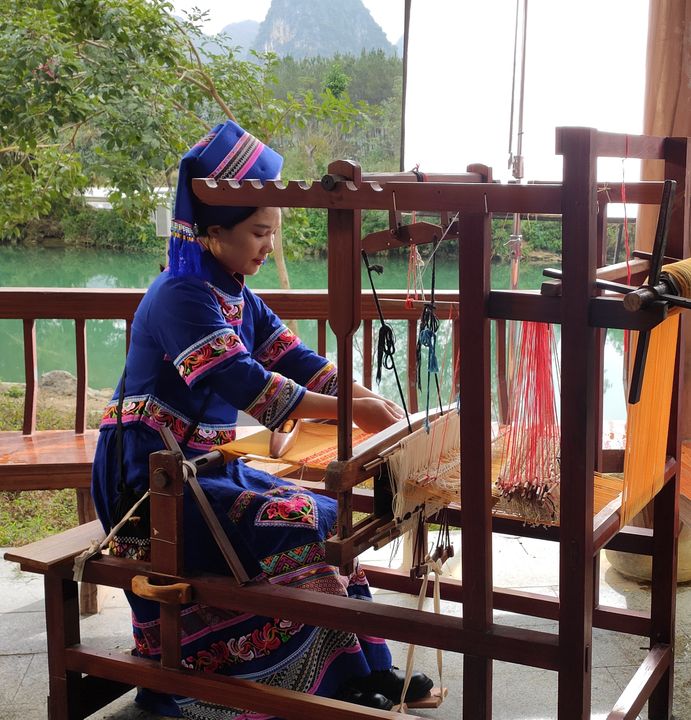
647	423
680	272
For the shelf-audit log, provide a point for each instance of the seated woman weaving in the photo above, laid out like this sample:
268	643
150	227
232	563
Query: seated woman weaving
202	347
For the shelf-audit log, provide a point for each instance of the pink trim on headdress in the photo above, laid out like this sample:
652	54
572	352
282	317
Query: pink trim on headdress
239	159
252	159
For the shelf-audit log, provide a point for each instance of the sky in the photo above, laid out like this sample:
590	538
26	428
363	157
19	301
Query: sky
585	65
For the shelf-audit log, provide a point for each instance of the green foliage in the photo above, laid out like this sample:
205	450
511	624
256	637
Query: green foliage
84	225
111	93
372	76
336	81
372	83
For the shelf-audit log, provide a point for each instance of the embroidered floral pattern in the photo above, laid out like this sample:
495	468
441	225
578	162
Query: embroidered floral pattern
231	307
209	351
298	509
292	560
155	413
241	504
325	381
275	401
259	643
272	350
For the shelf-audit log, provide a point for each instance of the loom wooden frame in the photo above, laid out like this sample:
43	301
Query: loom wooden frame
582	313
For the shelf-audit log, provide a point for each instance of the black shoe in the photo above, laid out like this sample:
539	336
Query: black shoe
390	683
368	699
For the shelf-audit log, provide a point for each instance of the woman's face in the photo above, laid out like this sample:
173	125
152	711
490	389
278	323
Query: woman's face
243	248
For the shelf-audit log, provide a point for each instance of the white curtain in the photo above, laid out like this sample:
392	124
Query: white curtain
585	65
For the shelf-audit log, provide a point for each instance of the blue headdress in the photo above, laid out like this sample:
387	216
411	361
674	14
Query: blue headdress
226	152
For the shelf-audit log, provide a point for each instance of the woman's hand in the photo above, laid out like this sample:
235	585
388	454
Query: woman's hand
360	391
373	414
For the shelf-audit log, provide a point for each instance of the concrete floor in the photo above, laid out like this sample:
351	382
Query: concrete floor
519	693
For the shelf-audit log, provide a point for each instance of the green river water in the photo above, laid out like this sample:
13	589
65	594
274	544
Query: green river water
90	268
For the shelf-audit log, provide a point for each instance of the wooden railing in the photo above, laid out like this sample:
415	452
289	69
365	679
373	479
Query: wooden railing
80	305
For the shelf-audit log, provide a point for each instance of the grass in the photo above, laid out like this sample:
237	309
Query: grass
32	515
29	516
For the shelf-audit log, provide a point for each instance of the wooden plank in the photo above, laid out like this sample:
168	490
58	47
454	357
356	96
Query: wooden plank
532	647
464	197
644	681
644	193
50	303
49	459
616	144
523	305
217	688
43	555
112	303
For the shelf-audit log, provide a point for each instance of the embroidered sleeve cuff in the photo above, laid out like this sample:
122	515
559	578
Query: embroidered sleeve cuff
282	341
325	380
195	361
276	401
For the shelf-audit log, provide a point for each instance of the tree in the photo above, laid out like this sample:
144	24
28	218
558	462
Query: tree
111	93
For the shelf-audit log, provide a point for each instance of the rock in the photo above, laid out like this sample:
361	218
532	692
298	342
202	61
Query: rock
60	383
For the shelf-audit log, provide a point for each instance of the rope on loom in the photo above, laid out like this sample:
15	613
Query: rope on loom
427	337
386	342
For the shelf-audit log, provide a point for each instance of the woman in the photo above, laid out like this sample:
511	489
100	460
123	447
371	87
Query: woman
203	346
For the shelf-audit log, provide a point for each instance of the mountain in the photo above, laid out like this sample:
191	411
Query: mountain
306	28
242	33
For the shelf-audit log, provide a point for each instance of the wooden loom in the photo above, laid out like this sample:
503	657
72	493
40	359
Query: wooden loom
583	313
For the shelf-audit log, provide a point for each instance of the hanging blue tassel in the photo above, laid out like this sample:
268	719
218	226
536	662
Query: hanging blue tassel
432	362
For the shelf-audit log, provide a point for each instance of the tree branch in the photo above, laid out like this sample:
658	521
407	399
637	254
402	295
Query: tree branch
210	87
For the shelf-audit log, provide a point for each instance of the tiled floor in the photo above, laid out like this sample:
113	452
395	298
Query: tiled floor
519	693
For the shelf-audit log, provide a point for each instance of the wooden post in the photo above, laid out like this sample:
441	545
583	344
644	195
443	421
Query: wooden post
578	350
166	482
666	504
345	290
62	630
30	376
474	281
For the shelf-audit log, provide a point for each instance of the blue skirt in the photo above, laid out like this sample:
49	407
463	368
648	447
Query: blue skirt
278	530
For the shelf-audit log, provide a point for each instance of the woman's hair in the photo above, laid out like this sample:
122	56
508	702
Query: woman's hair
226	223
